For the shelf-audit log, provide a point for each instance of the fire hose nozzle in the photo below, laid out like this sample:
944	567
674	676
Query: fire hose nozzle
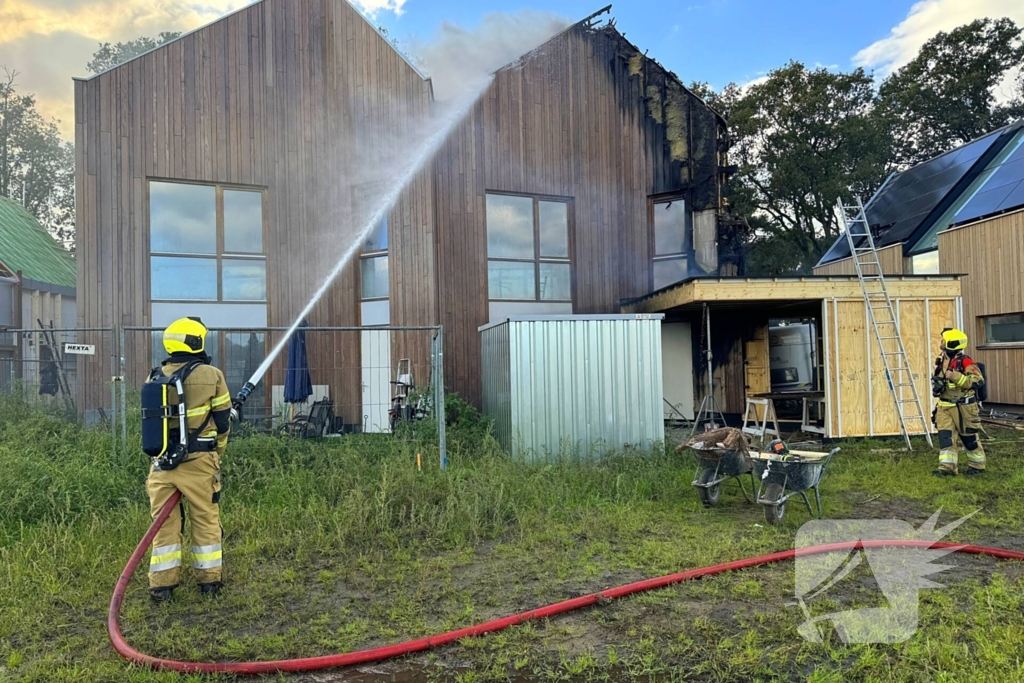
239	400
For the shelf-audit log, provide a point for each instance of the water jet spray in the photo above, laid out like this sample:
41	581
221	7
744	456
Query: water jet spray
432	144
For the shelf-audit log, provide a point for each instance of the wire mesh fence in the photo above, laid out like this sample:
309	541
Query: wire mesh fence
70	370
361	380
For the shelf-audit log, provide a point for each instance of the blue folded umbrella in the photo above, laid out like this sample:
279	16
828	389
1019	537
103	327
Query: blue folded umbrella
297	384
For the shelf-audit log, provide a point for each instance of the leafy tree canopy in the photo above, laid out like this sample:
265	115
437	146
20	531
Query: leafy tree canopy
109	56
37	168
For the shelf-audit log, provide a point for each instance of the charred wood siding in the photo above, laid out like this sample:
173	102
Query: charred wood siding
587	117
274	96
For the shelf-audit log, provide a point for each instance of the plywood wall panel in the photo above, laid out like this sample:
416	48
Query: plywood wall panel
891	259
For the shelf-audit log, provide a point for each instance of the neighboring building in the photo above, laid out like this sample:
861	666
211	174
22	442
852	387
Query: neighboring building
216	176
35	266
962	213
37	284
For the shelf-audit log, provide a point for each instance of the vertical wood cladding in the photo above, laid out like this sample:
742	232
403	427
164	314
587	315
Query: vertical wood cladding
992	252
286	95
586	116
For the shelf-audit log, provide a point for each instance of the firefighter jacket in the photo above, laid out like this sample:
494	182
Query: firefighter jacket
207	400
966	376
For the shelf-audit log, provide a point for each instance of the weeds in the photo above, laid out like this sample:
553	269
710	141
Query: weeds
343	544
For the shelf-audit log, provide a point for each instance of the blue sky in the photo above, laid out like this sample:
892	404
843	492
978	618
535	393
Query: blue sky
712	40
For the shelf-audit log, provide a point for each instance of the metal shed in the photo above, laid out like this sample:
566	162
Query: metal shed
581	384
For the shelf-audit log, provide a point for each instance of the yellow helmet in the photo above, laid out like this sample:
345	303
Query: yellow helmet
187	335
954	340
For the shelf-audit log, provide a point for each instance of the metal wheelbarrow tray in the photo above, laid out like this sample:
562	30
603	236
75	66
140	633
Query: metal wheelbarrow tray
785	476
717	464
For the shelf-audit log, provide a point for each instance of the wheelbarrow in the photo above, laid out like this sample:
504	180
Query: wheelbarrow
784	476
718	463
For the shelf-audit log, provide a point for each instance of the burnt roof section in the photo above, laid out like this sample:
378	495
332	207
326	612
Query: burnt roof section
593	22
908	205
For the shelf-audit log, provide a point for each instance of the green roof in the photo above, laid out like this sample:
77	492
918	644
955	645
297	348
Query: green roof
26	246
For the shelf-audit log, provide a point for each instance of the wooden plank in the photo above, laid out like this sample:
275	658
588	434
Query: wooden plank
853	381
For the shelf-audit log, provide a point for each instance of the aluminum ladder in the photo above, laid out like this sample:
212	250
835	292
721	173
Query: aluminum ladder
883	320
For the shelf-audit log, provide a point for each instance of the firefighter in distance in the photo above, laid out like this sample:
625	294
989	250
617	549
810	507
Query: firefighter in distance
956	384
186	461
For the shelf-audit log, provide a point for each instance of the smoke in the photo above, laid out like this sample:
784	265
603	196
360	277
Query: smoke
460	62
460	59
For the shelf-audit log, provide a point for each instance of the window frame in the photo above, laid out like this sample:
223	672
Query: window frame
221	255
653	256
537	258
376	254
983	332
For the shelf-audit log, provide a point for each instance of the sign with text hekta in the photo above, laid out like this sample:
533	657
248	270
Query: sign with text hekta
80	349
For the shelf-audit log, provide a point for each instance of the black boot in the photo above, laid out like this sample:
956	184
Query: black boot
164	594
971	471
211	589
944	473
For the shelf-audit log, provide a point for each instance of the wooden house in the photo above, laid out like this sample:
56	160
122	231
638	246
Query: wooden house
216	176
962	213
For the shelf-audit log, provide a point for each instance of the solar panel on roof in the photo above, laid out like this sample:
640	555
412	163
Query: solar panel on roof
1002	190
913	195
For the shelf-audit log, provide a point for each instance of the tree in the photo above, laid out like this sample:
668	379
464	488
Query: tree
803	139
37	168
109	56
945	96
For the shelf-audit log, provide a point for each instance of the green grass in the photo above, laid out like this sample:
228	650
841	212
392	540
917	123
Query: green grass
344	545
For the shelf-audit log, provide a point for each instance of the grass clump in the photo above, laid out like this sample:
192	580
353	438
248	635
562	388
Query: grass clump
344	544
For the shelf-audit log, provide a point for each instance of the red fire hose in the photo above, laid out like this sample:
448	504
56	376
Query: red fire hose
379	653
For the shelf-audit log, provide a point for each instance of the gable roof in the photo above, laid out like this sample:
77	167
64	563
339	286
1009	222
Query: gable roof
965	183
26	246
245	8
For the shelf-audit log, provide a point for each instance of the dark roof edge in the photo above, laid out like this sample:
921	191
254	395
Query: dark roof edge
231	14
40	286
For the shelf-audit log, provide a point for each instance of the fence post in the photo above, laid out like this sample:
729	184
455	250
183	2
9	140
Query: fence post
442	429
113	393
124	408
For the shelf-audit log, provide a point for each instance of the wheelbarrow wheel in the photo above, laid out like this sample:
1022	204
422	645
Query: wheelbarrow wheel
709	495
773	514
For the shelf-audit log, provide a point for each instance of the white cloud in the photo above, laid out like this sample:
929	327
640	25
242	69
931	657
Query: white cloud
926	18
372	8
50	41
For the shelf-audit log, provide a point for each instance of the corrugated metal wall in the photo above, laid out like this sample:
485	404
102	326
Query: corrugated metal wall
497	398
578	384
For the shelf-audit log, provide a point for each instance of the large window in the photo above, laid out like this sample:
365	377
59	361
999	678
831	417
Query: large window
1004	329
206	243
671	242
374	264
528	248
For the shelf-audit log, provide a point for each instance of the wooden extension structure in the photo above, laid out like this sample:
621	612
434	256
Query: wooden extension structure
858	401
